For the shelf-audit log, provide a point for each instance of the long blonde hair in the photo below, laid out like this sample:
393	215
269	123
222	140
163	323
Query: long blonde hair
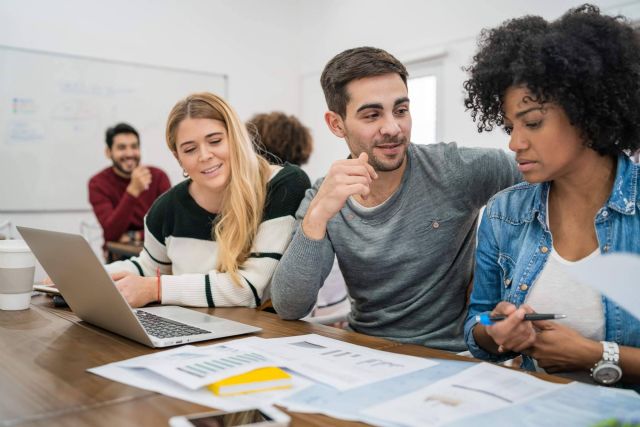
243	202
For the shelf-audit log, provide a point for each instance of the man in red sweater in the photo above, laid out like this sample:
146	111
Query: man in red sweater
122	194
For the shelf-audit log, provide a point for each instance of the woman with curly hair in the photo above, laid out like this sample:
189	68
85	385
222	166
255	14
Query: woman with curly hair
284	137
568	94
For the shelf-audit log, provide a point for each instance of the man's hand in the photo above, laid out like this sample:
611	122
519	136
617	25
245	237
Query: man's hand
137	290
346	178
558	348
140	181
512	333
125	238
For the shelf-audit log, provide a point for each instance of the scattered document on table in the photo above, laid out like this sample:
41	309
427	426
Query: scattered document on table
336	363
614	276
574	404
349	404
200	366
384	389
481	388
132	372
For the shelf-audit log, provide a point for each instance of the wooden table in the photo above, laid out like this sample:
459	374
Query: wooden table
45	352
117	250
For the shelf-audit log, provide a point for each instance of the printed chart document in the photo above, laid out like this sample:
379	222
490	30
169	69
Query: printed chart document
391	390
338	364
614	276
134	372
350	404
196	367
481	388
574	404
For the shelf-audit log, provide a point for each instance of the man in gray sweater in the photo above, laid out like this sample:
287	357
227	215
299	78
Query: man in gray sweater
401	218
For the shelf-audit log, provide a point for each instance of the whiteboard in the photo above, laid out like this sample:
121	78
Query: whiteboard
55	109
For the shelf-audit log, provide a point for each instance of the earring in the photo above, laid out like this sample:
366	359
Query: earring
185	174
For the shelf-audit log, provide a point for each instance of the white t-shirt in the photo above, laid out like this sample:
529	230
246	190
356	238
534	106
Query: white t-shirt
555	292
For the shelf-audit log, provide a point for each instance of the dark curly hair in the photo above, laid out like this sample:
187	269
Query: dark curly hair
587	63
281	136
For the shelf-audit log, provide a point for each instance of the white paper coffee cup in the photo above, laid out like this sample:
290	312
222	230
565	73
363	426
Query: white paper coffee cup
17	268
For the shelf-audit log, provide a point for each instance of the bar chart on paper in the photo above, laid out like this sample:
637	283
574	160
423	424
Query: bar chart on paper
210	364
202	368
362	361
338	364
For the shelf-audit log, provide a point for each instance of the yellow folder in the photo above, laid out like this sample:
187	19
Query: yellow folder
261	379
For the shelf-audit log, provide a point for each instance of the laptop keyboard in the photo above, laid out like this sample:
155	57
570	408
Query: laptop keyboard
161	327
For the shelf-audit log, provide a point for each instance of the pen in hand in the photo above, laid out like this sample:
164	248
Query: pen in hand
485	319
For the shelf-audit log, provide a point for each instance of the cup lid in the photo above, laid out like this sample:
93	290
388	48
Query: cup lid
14	246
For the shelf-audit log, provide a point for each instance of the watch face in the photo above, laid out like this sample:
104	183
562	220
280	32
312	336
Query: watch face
607	374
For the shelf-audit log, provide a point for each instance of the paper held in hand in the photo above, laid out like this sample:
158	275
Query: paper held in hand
612	275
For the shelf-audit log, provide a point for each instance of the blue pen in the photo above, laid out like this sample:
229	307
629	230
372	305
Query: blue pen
485	319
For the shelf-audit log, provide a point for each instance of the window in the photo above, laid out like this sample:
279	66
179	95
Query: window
423	96
424	79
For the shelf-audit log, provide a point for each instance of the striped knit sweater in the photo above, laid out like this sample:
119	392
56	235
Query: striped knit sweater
178	243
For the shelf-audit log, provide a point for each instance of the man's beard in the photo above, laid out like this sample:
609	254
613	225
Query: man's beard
118	165
382	166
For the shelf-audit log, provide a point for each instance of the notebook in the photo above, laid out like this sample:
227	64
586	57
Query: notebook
261	379
91	294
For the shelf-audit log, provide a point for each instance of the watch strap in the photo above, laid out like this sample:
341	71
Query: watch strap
611	352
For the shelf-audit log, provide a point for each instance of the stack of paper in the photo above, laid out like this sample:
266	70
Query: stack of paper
142	372
357	383
188	372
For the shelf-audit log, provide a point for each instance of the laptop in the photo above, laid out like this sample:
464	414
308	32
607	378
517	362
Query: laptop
92	295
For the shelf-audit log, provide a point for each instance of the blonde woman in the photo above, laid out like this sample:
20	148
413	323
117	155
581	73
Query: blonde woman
214	239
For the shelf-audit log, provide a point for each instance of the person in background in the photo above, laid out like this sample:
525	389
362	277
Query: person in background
122	193
401	218
216	238
283	137
567	93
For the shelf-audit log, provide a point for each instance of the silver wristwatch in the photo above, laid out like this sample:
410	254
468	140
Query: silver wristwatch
607	371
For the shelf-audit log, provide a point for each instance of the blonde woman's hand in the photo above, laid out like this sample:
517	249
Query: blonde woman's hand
138	290
120	275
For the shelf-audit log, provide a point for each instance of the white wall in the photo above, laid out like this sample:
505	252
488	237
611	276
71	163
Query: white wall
251	41
411	29
272	50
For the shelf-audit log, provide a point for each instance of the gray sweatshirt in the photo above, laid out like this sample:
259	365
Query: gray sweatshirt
408	262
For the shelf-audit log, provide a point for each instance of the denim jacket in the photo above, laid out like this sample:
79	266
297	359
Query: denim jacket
514	243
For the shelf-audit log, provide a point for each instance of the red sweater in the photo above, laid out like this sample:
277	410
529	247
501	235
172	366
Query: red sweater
117	210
